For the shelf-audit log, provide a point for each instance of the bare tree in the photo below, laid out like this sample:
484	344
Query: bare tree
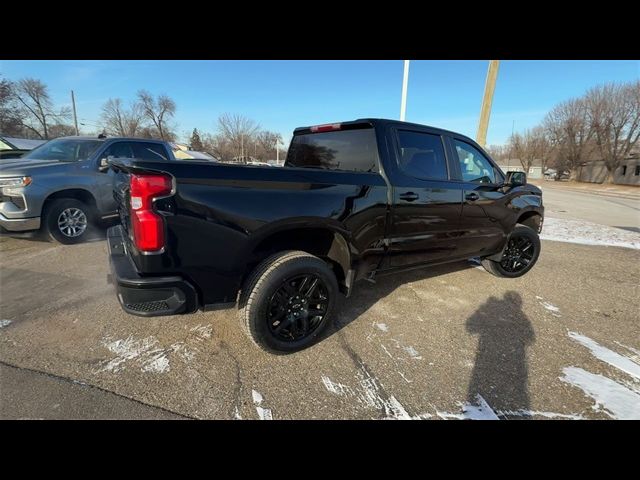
121	121
33	100
498	152
236	132
266	142
61	130
217	146
159	111
530	146
570	133
613	111
10	116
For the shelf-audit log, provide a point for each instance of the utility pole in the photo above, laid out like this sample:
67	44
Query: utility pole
485	111
75	116
405	82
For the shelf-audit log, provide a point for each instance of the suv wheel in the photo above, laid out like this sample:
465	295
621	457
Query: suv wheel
519	256
68	221
288	301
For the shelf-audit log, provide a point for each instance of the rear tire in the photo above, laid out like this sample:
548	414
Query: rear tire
529	240
68	221
288	301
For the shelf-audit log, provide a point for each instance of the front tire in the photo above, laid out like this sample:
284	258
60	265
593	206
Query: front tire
519	256
68	221
288	301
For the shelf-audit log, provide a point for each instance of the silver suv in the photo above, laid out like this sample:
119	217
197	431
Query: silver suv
65	186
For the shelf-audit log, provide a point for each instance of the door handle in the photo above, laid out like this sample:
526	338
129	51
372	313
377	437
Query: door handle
409	196
472	196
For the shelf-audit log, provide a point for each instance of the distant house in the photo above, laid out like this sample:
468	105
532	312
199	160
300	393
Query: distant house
628	173
514	165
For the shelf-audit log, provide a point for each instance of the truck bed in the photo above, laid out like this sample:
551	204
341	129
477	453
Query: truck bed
224	211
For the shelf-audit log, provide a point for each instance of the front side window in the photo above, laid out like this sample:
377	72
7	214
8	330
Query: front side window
351	150
422	155
474	165
64	150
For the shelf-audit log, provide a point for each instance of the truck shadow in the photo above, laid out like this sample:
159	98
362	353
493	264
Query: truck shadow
365	294
500	371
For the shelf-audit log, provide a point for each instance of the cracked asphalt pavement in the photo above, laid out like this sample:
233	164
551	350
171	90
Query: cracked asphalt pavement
447	342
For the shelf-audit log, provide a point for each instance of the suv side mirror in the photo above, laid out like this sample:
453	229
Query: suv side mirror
515	178
104	164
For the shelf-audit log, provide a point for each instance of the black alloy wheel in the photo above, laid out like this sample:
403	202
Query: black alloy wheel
518	254
297	307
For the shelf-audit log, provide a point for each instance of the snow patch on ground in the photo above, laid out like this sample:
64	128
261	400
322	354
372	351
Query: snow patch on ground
614	359
336	387
612	398
370	394
202	331
587	233
158	364
480	410
5	323
382	326
635	351
145	353
555	311
386	351
536	413
412	352
263	413
126	349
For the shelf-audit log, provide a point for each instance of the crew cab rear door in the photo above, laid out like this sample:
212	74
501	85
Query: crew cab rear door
484	207
426	203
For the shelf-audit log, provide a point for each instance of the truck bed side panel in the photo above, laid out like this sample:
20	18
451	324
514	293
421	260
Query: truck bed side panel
220	213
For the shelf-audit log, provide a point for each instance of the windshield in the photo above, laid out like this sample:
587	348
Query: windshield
64	150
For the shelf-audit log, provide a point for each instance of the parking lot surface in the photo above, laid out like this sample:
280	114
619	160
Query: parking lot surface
447	342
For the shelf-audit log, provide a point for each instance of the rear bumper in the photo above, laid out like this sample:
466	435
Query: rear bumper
19	224
146	296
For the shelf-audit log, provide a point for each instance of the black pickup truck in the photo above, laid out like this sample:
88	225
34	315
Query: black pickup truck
354	200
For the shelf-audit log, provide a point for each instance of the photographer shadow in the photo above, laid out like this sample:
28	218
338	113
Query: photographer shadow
500	372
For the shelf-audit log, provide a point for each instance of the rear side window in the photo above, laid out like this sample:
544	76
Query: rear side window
351	150
422	155
149	151
119	150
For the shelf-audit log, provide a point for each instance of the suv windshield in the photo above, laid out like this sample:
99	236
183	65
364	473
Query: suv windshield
64	150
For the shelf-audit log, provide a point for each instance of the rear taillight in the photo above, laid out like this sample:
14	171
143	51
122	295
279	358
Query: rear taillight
330	127
147	225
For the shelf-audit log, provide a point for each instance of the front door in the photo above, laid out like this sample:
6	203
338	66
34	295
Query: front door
426	204
484	210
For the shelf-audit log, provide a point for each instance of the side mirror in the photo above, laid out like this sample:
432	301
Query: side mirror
104	164
515	178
